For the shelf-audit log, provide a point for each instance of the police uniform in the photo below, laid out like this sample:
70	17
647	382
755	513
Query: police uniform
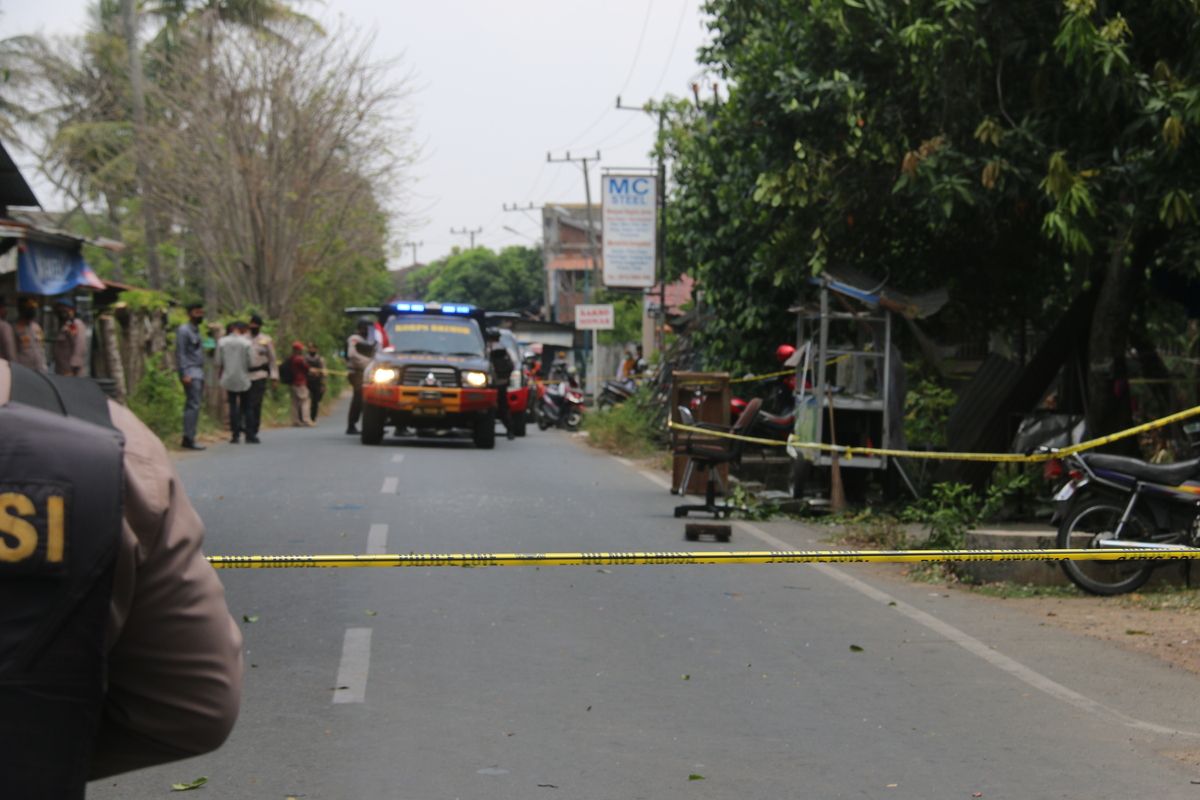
117	650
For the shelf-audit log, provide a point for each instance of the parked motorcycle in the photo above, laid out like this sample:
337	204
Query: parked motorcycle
766	425
1118	502
561	405
615	392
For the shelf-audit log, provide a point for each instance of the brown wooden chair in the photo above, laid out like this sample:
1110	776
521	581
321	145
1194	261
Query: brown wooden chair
709	454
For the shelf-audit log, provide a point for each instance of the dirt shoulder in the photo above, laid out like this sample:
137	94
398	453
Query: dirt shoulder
1163	623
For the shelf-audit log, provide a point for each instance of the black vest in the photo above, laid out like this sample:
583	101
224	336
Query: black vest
60	521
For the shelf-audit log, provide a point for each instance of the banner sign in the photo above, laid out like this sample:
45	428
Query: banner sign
630	220
594	317
47	269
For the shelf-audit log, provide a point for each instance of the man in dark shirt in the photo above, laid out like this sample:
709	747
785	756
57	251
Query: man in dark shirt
316	380
189	360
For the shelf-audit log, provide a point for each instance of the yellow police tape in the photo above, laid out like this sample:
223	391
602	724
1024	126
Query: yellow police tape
850	452
671	558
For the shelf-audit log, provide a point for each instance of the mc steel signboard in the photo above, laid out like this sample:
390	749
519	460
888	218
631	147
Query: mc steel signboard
629	219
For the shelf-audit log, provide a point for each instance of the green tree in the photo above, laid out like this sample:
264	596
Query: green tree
511	280
1019	153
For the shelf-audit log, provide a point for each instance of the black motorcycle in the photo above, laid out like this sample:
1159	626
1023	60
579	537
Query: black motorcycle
1118	502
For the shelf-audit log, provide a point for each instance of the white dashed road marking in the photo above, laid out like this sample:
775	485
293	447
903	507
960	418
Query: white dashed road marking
390	485
351	686
377	539
397	458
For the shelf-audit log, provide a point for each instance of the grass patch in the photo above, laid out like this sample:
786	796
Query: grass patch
626	429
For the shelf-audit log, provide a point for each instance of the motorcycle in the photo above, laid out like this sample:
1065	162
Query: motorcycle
561	406
615	392
1118	502
766	425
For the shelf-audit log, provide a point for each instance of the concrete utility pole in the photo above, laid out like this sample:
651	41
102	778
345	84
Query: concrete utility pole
467	232
591	235
659	333
414	246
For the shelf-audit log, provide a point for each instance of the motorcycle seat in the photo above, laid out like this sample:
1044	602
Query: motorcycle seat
1170	474
777	420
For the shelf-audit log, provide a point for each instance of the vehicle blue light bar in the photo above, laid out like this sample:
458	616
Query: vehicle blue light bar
456	309
418	307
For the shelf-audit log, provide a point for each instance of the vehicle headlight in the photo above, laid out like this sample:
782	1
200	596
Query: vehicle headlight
476	379
384	375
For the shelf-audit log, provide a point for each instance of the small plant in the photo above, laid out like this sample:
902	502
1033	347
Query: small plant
949	512
755	509
926	409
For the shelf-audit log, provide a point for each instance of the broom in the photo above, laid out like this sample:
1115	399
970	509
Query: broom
837	493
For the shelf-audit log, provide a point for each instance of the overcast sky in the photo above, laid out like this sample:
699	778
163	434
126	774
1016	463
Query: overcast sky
498	85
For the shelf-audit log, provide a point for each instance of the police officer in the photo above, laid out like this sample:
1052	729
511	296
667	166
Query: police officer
357	348
31	350
263	368
502	366
117	650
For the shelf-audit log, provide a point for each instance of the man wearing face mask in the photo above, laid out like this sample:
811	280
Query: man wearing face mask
263	367
70	346
189	360
31	351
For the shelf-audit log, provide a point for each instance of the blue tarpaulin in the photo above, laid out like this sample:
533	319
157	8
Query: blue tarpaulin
50	269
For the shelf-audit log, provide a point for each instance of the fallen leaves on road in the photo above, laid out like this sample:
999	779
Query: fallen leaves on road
855	648
187	787
249	617
695	777
686	677
371	613
604	571
547	786
1136	632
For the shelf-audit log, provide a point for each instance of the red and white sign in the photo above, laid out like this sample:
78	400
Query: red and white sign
595	317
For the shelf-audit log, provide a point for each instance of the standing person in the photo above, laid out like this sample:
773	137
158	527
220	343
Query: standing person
137	661
262	369
357	361
233	373
502	365
299	375
70	346
189	360
31	351
8	339
316	379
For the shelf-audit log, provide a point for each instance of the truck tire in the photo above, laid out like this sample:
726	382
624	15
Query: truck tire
373	420
485	431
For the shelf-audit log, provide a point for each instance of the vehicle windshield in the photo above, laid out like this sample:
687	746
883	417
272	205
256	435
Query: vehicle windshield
417	333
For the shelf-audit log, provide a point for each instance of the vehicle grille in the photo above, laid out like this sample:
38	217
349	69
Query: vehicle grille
446	377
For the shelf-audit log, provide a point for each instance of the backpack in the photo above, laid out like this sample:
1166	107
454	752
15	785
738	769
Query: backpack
285	371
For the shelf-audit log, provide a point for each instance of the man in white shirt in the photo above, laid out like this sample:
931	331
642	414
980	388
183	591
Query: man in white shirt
233	373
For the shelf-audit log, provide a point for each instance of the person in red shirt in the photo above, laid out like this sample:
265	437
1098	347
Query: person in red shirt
299	381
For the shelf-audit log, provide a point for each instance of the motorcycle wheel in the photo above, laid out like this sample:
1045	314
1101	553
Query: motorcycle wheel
1087	523
604	403
543	421
574	417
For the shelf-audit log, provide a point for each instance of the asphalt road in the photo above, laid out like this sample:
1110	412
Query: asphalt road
628	682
